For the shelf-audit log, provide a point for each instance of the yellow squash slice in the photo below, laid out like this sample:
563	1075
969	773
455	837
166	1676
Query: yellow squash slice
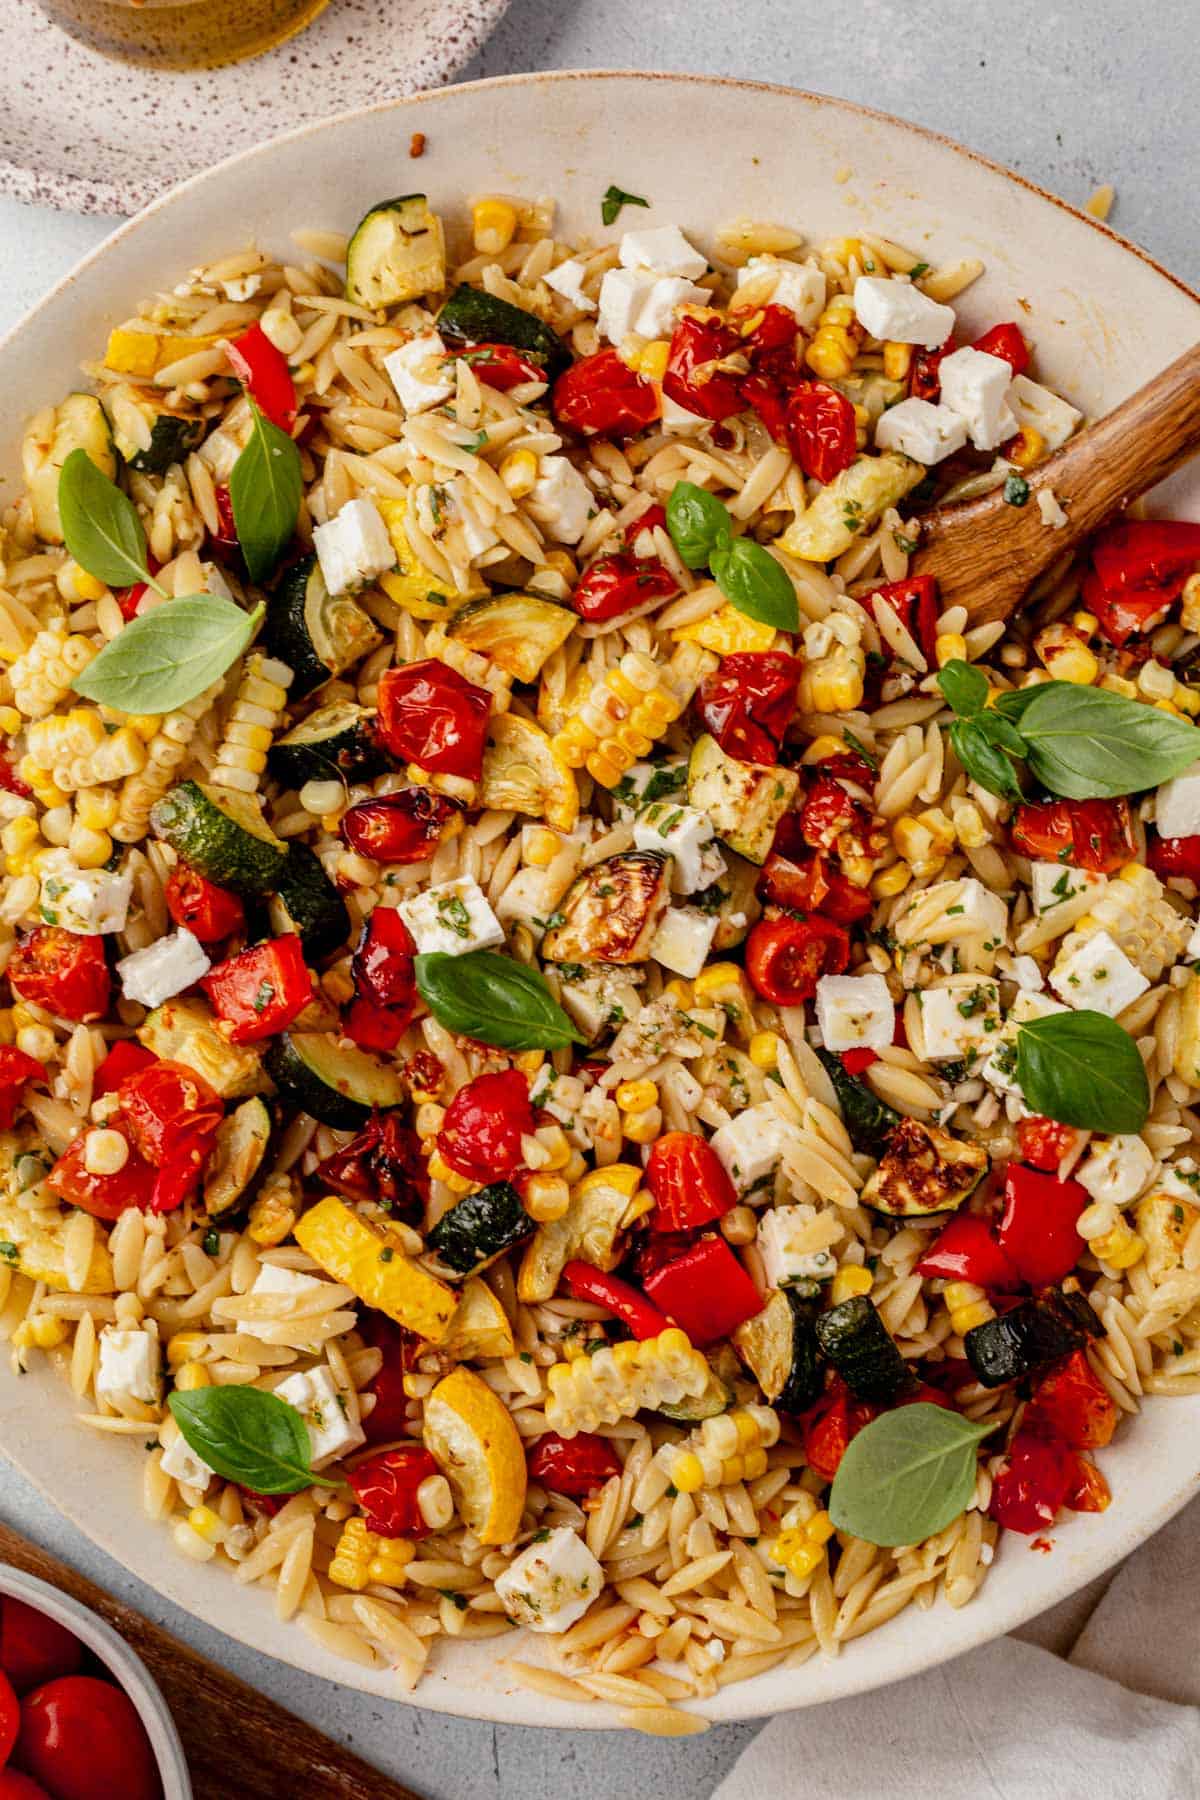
522	772
480	1325
365	1259
34	1246
470	1434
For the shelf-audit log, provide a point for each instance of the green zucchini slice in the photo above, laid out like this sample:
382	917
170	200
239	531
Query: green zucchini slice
923	1171
611	912
779	1347
306	901
148	434
335	740
853	1337
80	423
221	834
471	316
316	633
330	1080
868	1121
237	1154
397	252
1029	1335
479	1228
518	631
744	802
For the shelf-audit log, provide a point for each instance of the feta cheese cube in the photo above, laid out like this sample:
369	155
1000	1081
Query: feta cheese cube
1180	1181
750	1146
1098	976
567	280
1035	406
684	939
623	293
1062	893
899	313
656	316
1027	1006
1177	804
959	1016
552	1583
163	969
603	1001
180	1461
322	1405
452	917
662	248
681	830
1116	1169
1027	974
975	385
130	1367
561	501
782	1231
89	901
855	1012
421	373
927	433
354	547
799	287
984	913
271	1279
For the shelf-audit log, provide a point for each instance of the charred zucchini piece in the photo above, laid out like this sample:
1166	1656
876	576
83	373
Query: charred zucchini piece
611	912
150	435
924	1171
479	1228
779	1347
339	739
1029	1335
222	834
853	1337
397	253
518	631
471	316
237	1154
306	901
744	801
867	1120
339	1086
316	633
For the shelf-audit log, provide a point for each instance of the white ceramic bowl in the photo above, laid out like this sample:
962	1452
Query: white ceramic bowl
1105	319
126	1667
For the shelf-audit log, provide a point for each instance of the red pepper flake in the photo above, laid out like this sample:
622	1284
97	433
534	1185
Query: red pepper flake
1042	1544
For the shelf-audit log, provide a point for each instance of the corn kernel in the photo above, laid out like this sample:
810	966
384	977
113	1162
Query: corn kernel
208	1524
1028	448
1120	1248
1156	681
680	992
145	725
1117	684
950	647
642	1127
764	1049
192	1375
519	472
541	847
1065	656
42	1333
89	849
636	1096
1085	623
1187	699
10	720
897	360
105	1152
494	224
440	1170
891	881
687	1473
652	360
184	1347
849	1281
96	808
545	1197
967	1305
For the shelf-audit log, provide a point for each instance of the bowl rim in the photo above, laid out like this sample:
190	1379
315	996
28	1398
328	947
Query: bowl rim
122	1661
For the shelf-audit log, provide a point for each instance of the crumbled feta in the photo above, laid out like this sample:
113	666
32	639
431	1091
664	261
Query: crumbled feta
1000	1069
984	914
559	1095
561	501
420	372
1177	805
1034	405
898	312
959	1017
681	830
90	901
452	917
799	287
634	300
243	287
1098	976
656	319
1027	1006
180	1461
601	1001
749	1146
1116	1169
354	547
782	1231
1180	1181
550	1584
917	428
662	248
1050	508
130	1367
975	385
683	940
567	280
321	1404
1027	974
855	1012
1062	893
163	969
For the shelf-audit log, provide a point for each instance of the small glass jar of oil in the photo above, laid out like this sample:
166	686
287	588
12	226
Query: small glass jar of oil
182	34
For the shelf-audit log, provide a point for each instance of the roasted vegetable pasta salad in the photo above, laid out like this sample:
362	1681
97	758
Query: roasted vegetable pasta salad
572	1033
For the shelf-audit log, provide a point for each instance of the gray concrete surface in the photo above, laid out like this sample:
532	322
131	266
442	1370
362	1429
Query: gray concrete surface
1072	95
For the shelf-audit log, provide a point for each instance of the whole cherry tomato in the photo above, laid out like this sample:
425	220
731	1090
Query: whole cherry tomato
785	958
1006	342
693	377
1096	835
164	1104
500	366
615	584
689	1182
814	885
15	1786
481	1131
1031	1490
574	1466
10	1717
827	1428
382	965
747	704
104	1196
263	371
33	1647
261	990
602	396
1178	856
17	1068
383	1163
821	430
63	971
83	1739
1072	1404
431	715
1044	1142
209	912
386	1489
924	375
399	828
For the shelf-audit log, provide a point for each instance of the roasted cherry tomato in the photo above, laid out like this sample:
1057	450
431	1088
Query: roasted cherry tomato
1037	1229
574	1466
747	704
15	1786
431	715
16	1068
1136	554
388	1418
399	828
33	1647
769	398
258	993
500	366
481	1131
821	430
1044	1142
104	1196
857	1062
165	1103
827	1428
386	1489
373	1027
966	1250
688	1181
10	1717
1006	342
601	396
828	811
1031	1490
813	885
263	372
924	375
62	971
1175	856
209	912
383	1163
693	378
772	346
83	1740
1072	1404
1126	612
618	583
1088	1492
785	958
126	1056
382	965
1096	835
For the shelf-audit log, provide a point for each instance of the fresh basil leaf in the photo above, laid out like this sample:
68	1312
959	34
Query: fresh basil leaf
1000	731
982	760
101	528
164	658
753	582
907	1475
1082	1069
1088	744
1014	702
265	486
614	200
248	1436
697	522
492	998
965	687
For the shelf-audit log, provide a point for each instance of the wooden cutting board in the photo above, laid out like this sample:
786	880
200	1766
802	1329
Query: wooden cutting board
238	1743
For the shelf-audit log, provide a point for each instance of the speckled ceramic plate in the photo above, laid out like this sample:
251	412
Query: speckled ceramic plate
89	134
1105	318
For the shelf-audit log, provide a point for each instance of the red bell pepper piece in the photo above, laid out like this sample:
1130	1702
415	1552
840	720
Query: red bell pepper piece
747	704
388	1418
209	912
857	1062
261	990
399	828
1006	342
965	1250
821	430
623	1301
383	1163
705	1290
785	958
1175	856
692	377
17	1068
483	1125
1031	1490
263	372
617	583
382	967
827	1428
1145	553
500	366
1044	1142
914	603
125	1056
1037	1227
1071	1403
1096	835
104	1196
386	1489
689	1183
814	885
130	598
165	1106
63	971
1124	613
924	375
431	715
601	396
574	1466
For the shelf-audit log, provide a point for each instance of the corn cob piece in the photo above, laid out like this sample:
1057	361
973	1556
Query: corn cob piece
42	676
165	753
618	1381
730	1447
1139	919
628	709
253	718
363	1557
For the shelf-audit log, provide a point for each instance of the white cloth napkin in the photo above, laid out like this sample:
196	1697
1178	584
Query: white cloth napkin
1117	1717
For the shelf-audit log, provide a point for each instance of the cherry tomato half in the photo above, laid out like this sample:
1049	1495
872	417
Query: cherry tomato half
33	1647
399	828
815	884
1096	835
386	1489
104	1196
1031	1490
747	704
574	1466
481	1131
616	584
164	1104
1072	1404
1175	856
785	958
827	1428
924	375
62	971
602	396
383	1163
431	715
388	1418
689	1182
693	378
1044	1142
209	912
123	1059
821	430
1006	342
83	1739
17	1068
500	366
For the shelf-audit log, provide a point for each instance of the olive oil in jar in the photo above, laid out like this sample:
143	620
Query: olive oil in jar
182	34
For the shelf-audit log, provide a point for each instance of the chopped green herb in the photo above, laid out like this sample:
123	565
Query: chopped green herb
614	200
1016	491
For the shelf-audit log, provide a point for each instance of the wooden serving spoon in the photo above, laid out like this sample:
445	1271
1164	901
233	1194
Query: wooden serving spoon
985	553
